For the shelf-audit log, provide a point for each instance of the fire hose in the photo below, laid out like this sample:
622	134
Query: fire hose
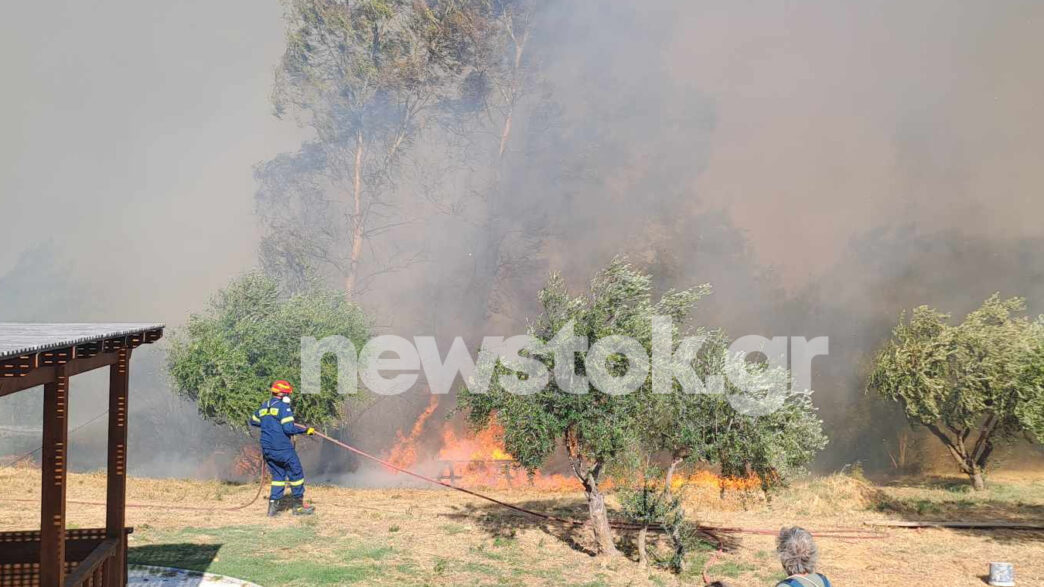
168	506
843	533
849	533
257	495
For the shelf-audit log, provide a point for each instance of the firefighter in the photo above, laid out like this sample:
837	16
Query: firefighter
276	421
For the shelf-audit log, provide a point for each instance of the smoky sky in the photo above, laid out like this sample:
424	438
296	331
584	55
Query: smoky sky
130	128
822	164
128	134
835	117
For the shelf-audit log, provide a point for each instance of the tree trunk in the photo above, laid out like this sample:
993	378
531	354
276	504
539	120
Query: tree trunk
599	518
978	482
973	463
668	480
678	560
357	220
643	557
520	48
488	254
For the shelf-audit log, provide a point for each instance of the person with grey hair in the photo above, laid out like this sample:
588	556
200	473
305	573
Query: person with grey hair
799	556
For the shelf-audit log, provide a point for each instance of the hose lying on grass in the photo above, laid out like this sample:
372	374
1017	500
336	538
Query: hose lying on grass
849	533
711	531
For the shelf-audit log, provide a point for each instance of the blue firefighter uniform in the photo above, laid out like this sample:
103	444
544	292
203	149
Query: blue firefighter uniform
276	420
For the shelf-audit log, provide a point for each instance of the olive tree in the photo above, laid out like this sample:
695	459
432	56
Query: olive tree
747	421
756	424
226	358
599	429
973	384
593	427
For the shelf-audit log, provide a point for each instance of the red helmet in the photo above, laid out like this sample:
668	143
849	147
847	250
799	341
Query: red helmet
282	387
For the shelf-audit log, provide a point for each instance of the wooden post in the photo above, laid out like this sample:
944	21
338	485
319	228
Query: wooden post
116	488
53	471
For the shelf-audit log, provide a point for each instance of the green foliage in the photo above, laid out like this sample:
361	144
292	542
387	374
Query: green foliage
599	430
653	504
981	378
594	427
649	505
226	358
708	429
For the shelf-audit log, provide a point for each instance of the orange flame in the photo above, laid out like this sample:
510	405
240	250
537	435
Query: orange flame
710	479
404	453
479	460
483	446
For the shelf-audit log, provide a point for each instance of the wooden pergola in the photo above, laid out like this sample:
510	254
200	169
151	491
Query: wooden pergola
48	355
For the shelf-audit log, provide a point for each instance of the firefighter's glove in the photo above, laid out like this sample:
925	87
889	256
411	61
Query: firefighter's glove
310	431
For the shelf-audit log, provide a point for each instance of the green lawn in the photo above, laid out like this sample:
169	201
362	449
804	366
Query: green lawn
270	556
298	556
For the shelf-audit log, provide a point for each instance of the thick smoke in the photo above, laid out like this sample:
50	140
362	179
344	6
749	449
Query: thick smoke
822	165
126	194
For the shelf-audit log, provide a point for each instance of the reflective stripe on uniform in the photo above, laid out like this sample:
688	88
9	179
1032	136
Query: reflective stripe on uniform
255	418
279	484
287	420
297	483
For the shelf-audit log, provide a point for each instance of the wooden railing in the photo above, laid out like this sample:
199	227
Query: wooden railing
99	568
92	559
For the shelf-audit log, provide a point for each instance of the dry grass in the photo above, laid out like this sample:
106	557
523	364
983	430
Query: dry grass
437	537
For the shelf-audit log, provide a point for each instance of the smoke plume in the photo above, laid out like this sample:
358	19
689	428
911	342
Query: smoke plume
822	165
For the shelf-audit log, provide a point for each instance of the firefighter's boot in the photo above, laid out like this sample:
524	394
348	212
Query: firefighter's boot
286	503
299	508
274	508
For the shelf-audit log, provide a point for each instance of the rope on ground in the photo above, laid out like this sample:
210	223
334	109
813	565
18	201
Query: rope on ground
851	533
443	483
169	506
20	458
710	561
847	533
260	485
986	525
